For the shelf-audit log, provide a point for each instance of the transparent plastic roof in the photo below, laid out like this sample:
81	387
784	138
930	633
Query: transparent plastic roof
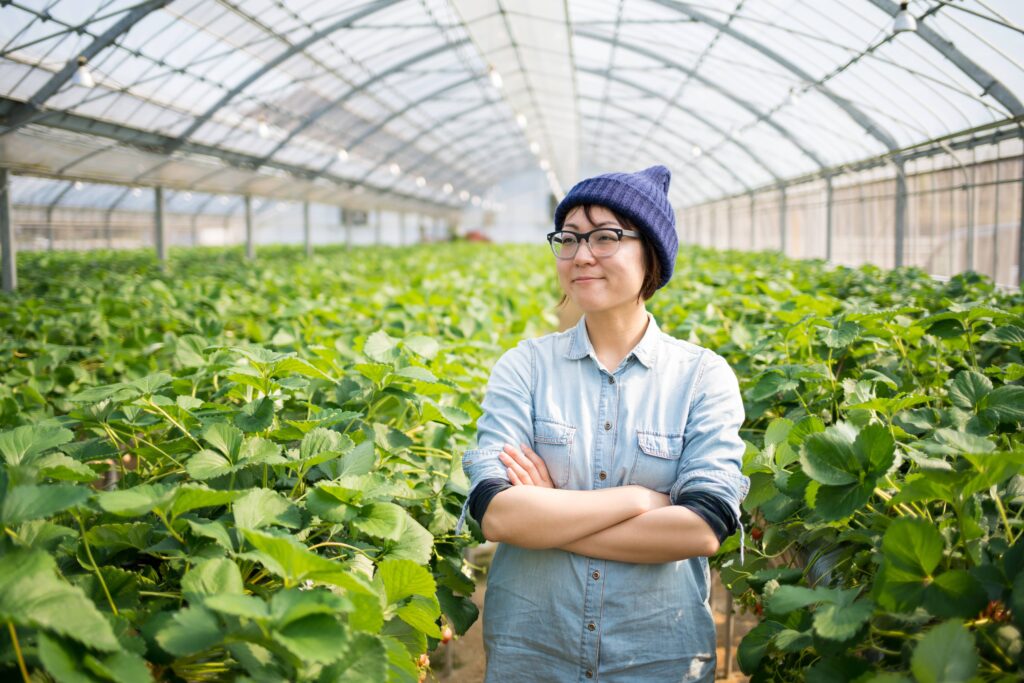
434	102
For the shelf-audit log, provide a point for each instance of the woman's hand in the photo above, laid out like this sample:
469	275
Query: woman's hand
525	468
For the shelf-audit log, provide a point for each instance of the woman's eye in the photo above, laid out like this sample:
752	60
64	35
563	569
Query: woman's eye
606	238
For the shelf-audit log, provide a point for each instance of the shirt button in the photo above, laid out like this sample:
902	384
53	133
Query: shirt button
607	426
603	475
596	574
611	380
590	674
591	626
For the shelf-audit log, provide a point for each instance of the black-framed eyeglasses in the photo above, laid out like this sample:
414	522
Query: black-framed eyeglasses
603	242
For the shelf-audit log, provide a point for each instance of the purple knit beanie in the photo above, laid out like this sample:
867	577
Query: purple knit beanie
642	197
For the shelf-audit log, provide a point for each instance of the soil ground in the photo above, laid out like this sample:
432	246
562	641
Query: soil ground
463	661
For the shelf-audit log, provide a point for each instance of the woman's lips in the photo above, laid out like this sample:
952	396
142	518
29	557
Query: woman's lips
586	279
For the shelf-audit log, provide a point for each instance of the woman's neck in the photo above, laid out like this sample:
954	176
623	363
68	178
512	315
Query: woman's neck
615	333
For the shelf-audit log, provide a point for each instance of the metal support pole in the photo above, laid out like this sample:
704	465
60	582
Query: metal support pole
50	237
730	226
969	190
195	230
753	221
901	211
376	226
10	265
346	219
422	224
250	246
1020	233
995	226
829	229
306	229
401	228
783	232
161	235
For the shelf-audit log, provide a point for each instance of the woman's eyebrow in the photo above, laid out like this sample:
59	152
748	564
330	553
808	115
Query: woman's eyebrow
573	225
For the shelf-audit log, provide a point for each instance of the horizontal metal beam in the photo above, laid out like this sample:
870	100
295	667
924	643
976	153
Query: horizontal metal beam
715	86
310	119
26	111
872	127
990	85
154	143
347	20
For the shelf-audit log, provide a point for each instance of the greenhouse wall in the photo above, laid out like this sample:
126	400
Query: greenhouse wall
963	212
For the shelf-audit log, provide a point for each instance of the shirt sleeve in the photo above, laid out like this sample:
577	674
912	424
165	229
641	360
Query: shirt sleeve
712	447
507	418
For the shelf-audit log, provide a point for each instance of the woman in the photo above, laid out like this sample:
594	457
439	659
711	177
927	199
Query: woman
608	463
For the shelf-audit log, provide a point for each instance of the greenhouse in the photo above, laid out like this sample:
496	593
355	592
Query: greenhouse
281	278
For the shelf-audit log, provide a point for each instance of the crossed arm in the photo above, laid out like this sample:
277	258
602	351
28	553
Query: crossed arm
623	523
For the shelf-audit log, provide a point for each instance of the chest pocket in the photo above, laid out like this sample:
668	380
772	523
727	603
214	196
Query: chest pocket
656	459
553	443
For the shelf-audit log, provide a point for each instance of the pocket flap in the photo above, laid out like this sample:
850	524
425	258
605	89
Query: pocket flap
545	431
660	445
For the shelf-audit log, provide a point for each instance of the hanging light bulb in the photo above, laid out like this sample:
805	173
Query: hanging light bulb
82	75
904	21
262	128
395	169
464	196
794	95
447	188
535	147
495	77
342	154
187	196
696	151
545	164
476	200
78	185
136	192
521	120
421	181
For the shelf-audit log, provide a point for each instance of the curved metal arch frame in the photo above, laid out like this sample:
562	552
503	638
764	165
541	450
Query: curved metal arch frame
675	105
989	84
481	172
686	172
411	142
870	126
728	94
678	136
34	104
382	123
344	22
397	68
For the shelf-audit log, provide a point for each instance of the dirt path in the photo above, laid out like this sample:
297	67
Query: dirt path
464	657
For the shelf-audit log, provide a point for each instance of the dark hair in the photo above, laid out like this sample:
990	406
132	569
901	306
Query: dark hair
652	266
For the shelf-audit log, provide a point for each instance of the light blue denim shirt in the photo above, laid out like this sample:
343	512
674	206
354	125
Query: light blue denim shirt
667	418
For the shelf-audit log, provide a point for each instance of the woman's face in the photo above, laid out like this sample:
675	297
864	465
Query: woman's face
606	283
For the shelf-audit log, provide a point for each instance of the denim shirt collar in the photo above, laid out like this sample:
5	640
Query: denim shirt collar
646	351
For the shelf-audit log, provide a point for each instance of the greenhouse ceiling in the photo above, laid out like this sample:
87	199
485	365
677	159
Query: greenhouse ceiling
428	103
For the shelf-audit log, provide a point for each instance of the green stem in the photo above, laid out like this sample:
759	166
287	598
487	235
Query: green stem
92	561
1002	514
174	422
17	652
163	518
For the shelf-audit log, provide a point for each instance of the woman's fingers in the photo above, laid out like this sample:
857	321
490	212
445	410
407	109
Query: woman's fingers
513	466
538	464
527	467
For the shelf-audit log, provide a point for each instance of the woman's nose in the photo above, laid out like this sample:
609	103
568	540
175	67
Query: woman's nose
583	253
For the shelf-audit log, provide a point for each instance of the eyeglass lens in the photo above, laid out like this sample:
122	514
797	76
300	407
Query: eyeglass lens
601	243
